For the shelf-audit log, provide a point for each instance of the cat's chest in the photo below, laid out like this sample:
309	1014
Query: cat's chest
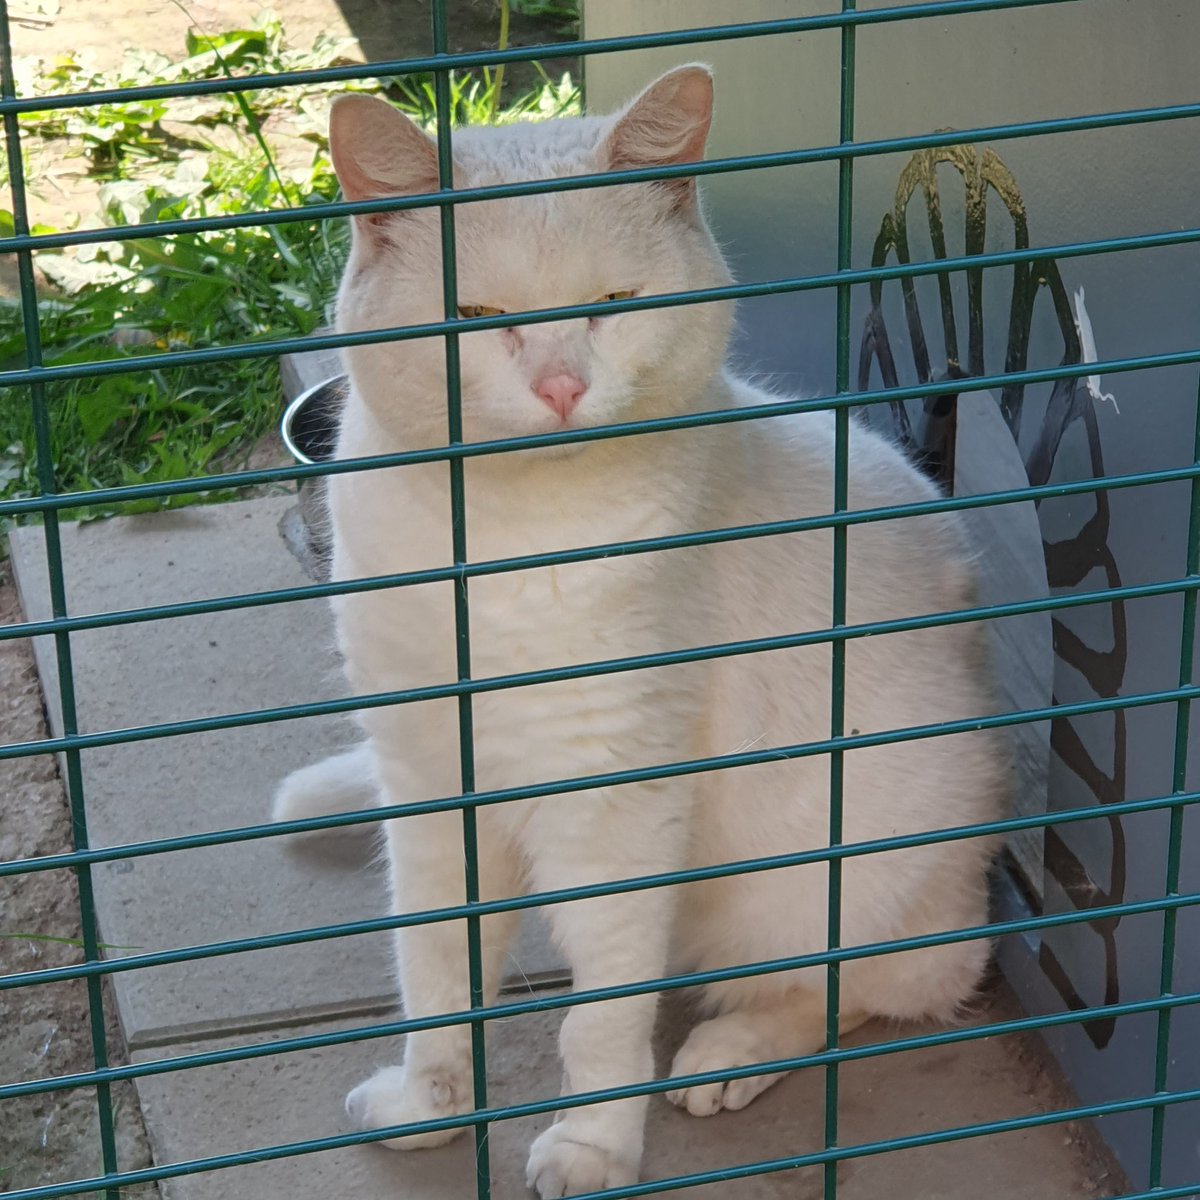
564	615
524	613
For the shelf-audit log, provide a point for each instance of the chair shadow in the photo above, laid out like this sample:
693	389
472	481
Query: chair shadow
393	29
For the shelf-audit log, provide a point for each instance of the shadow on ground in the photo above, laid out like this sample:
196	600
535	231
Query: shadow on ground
390	29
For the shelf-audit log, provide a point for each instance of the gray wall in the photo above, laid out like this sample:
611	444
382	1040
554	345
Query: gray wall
991	69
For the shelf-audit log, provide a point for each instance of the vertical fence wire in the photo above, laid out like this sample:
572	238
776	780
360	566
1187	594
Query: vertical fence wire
837	700
462	622
1187	646
43	443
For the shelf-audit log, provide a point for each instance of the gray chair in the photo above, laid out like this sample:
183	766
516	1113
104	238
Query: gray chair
1038	424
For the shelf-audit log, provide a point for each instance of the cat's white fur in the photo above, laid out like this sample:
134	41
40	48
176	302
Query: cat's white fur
574	247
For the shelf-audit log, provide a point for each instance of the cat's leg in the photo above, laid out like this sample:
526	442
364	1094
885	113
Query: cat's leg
935	983
788	1026
608	941
343	782
426	859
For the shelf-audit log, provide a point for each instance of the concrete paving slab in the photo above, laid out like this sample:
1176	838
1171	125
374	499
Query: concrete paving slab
196	666
242	1106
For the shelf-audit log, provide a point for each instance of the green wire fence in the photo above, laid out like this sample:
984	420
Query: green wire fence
33	378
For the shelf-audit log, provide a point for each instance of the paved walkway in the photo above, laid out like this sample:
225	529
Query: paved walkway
255	658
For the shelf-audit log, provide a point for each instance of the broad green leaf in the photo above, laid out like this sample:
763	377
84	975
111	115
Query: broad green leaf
98	412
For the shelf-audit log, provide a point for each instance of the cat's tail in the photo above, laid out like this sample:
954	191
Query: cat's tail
345	782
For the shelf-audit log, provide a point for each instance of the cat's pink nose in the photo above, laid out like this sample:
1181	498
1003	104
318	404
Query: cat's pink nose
562	392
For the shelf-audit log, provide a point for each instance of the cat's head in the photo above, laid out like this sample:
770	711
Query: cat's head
533	252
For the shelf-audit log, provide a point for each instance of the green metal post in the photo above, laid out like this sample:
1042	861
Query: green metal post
58	603
837	723
462	618
1187	648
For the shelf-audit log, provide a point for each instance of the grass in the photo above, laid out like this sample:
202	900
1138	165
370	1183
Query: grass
198	157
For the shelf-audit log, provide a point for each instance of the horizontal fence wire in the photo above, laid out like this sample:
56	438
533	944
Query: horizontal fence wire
841	152
373	816
447	61
982	383
335	341
835	853
473	570
675	982
111	495
742	1171
461	687
843	1054
270	716
36	375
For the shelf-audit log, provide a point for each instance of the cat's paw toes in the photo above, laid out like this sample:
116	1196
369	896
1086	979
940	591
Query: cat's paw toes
560	1165
719	1045
397	1096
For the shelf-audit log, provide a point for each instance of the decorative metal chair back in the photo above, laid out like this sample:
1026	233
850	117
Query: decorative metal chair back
931	442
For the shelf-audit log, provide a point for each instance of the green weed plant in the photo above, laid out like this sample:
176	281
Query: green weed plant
193	157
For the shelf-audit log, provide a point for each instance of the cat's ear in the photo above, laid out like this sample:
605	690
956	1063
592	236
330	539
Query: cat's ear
377	151
667	124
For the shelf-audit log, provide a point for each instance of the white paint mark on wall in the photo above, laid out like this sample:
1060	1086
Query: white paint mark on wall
1083	325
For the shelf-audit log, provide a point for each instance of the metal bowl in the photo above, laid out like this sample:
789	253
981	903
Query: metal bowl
309	430
309	425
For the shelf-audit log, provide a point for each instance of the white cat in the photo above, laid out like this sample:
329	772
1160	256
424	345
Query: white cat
569	248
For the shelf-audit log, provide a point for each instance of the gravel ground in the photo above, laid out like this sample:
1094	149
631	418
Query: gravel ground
52	1137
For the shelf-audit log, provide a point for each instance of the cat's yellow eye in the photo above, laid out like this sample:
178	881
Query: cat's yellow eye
479	310
625	294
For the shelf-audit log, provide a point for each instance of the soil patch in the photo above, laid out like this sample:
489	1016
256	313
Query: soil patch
62	190
54	1136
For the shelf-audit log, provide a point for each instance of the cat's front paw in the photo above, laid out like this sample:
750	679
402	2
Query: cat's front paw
398	1096
717	1045
562	1165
